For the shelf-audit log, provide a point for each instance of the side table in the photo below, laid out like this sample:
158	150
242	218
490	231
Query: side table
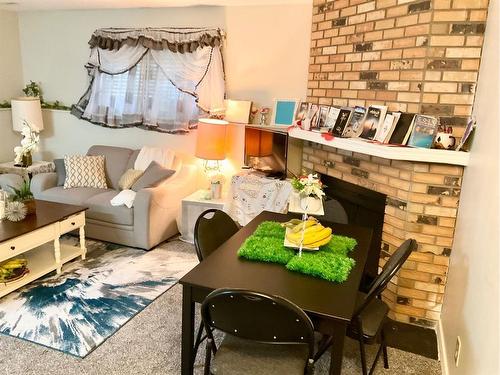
36	168
192	207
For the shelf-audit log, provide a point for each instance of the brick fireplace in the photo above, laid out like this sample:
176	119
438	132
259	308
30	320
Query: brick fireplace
422	202
418	56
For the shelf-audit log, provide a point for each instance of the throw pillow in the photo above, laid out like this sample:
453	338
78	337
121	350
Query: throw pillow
60	171
129	178
85	171
153	175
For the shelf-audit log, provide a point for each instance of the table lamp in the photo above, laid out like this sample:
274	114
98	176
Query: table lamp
211	147
211	143
26	109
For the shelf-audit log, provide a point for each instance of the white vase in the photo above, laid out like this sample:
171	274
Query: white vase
310	204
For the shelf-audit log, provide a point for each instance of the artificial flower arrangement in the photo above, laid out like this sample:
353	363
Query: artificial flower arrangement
28	144
308	186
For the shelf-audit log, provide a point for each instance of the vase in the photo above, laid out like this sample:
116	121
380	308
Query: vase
30	206
310	204
26	160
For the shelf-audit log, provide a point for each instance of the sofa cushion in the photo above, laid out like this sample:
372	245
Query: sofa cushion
61	171
78	196
100	208
85	171
129	178
116	162
153	175
132	159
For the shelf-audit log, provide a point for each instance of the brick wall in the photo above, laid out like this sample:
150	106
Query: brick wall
422	202
414	56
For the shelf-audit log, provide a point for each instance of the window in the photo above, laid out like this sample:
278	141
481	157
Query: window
156	89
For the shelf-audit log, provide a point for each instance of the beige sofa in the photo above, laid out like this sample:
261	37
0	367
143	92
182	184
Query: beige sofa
150	221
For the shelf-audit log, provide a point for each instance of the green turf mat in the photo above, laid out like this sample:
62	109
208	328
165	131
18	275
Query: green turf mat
330	262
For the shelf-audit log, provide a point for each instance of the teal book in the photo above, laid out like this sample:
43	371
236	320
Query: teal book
424	131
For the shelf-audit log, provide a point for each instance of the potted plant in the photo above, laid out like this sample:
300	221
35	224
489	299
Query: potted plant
24	195
310	190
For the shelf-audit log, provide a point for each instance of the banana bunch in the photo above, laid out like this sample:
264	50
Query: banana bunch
11	268
315	234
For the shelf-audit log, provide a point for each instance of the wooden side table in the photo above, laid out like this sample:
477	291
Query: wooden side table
192	207
36	168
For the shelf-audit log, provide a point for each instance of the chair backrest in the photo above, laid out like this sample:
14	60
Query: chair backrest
213	227
388	271
258	317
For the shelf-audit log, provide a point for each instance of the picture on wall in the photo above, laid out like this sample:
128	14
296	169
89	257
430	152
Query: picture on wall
284	112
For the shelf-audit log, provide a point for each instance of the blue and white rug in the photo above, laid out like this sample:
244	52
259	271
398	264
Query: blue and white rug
74	312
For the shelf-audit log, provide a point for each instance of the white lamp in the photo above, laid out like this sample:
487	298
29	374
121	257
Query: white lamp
26	109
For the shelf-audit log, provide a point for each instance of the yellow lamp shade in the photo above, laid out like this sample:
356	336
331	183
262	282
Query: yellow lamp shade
211	139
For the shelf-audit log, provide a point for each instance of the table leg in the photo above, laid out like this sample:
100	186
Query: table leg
337	350
57	254
187	331
82	242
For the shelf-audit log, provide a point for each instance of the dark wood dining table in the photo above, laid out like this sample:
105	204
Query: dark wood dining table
329	305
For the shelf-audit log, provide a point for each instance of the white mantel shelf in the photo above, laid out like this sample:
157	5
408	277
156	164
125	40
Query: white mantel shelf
386	152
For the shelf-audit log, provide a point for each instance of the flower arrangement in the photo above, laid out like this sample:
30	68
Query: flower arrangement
28	144
308	186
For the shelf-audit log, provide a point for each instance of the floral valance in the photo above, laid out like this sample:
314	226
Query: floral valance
180	40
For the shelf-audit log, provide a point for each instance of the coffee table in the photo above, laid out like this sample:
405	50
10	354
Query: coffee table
37	238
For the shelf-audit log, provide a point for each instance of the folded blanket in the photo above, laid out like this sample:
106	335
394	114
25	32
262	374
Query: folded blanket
124	197
162	156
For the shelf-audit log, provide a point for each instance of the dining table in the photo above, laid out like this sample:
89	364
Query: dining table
330	305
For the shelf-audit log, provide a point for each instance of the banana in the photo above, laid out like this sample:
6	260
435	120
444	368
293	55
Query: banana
317	236
321	242
296	237
304	225
291	223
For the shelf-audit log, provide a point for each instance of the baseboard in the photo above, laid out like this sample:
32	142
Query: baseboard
443	358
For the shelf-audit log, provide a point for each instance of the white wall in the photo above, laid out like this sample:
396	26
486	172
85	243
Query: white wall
471	301
266	56
10	79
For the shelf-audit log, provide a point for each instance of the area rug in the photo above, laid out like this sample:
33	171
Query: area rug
76	311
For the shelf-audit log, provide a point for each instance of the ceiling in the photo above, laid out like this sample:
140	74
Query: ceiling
21	5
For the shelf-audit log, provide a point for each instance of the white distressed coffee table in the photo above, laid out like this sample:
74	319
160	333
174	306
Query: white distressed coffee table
37	238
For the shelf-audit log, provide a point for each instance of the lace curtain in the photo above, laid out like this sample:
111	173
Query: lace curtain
157	84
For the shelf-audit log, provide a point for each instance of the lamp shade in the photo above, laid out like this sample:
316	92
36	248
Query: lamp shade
26	109
258	143
211	139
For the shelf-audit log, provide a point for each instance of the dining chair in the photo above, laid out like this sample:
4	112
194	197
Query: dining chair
212	228
263	334
367	323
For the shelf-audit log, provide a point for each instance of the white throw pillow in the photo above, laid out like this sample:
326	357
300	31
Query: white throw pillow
124	197
85	171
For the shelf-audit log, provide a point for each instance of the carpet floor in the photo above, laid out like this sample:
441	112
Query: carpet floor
150	344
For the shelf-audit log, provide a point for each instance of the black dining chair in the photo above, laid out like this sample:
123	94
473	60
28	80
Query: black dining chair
212	228
263	334
367	323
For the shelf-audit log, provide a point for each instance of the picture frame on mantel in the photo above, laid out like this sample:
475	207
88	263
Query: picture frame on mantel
284	112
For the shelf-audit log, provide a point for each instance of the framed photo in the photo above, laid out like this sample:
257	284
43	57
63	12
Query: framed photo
302	111
284	112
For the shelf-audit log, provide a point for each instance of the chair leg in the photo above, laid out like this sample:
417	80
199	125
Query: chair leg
384	350
208	356
324	344
363	354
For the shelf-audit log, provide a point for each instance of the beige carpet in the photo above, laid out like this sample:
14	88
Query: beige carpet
150	344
